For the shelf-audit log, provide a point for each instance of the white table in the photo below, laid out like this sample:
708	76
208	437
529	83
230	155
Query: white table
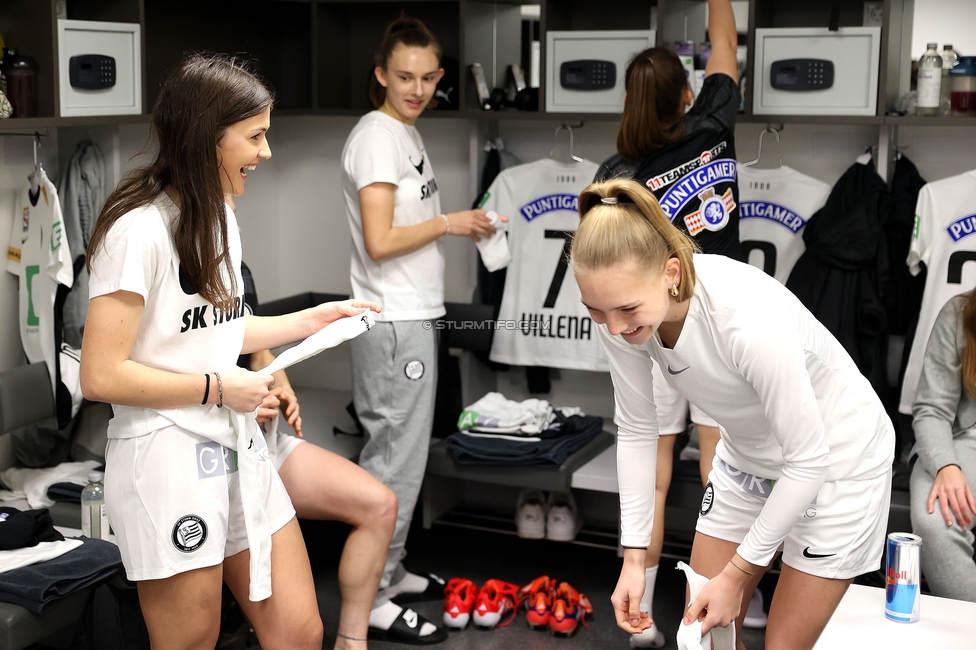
859	623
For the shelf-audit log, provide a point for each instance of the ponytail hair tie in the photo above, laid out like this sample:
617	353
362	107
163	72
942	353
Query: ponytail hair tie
610	200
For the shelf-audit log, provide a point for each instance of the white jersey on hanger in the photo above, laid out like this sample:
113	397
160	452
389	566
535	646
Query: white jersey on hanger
38	254
542	321
774	207
791	404
943	239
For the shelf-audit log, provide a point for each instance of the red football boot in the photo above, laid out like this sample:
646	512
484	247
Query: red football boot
538	596
459	597
568	609
496	601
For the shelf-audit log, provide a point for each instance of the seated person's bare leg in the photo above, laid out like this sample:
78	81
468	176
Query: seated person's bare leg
289	619
325	486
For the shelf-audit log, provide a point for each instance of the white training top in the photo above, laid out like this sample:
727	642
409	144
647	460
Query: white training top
180	331
38	255
543	322
774	207
943	240
790	402
382	149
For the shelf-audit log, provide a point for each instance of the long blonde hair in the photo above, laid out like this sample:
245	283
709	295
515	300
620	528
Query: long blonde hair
629	226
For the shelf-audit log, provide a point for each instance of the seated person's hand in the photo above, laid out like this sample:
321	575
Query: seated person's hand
954	496
269	407
289	407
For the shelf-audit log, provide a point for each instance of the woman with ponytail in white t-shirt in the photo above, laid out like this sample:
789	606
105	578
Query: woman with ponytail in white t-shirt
393	206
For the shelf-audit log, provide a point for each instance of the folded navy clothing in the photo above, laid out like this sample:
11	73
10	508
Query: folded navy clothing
65	492
38	587
23	529
576	432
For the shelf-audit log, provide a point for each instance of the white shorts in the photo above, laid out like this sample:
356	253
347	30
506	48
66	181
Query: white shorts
174	502
285	443
841	534
672	408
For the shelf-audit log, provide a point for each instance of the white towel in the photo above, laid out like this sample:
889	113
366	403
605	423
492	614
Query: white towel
494	250
690	637
41	552
32	484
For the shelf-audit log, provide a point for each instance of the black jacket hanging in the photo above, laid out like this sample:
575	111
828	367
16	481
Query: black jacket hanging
904	291
843	273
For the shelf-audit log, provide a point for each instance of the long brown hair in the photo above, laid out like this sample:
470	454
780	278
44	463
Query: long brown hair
969	350
402	31
204	95
631	227
654	83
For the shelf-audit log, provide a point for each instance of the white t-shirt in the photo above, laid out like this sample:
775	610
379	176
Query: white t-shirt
791	404
945	220
545	324
179	331
381	149
774	207
38	255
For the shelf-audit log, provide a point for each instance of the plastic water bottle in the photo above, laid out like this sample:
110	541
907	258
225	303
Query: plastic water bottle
929	83
94	518
949	60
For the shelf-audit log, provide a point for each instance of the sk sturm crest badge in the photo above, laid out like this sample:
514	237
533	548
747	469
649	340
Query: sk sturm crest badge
713	214
189	533
414	369
707	499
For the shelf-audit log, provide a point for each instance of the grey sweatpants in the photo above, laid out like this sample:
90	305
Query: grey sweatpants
947	552
394	380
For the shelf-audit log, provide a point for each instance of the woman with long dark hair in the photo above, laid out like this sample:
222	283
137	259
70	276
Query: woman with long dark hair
166	323
686	158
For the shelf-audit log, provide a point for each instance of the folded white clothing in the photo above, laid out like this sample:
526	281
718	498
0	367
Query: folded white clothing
327	337
689	637
499	436
33	484
495	412
494	250
42	552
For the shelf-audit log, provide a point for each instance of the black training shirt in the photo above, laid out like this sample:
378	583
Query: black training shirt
694	179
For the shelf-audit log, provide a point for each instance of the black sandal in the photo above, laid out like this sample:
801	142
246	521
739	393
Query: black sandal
406	629
434	591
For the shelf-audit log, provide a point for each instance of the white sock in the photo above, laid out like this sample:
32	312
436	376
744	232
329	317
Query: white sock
382	618
647	600
494	250
411	584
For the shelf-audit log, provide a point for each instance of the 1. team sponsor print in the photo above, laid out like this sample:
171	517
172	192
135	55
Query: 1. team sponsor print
189	533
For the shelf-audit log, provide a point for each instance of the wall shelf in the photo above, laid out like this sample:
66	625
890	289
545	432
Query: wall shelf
810	119
914	120
31	123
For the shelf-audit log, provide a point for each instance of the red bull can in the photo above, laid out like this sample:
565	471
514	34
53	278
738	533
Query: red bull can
903	574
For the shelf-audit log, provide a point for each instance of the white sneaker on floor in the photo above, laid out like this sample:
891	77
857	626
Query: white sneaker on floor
530	514
755	616
649	638
562	520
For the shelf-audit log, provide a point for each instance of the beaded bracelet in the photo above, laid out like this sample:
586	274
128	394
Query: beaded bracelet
732	562
446	221
220	389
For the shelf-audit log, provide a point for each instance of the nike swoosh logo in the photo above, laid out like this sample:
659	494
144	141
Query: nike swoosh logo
815	556
676	372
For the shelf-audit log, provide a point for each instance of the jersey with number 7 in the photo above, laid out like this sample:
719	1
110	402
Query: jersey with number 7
542	321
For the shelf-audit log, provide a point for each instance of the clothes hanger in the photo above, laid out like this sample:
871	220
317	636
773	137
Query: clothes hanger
867	156
766	129
572	152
